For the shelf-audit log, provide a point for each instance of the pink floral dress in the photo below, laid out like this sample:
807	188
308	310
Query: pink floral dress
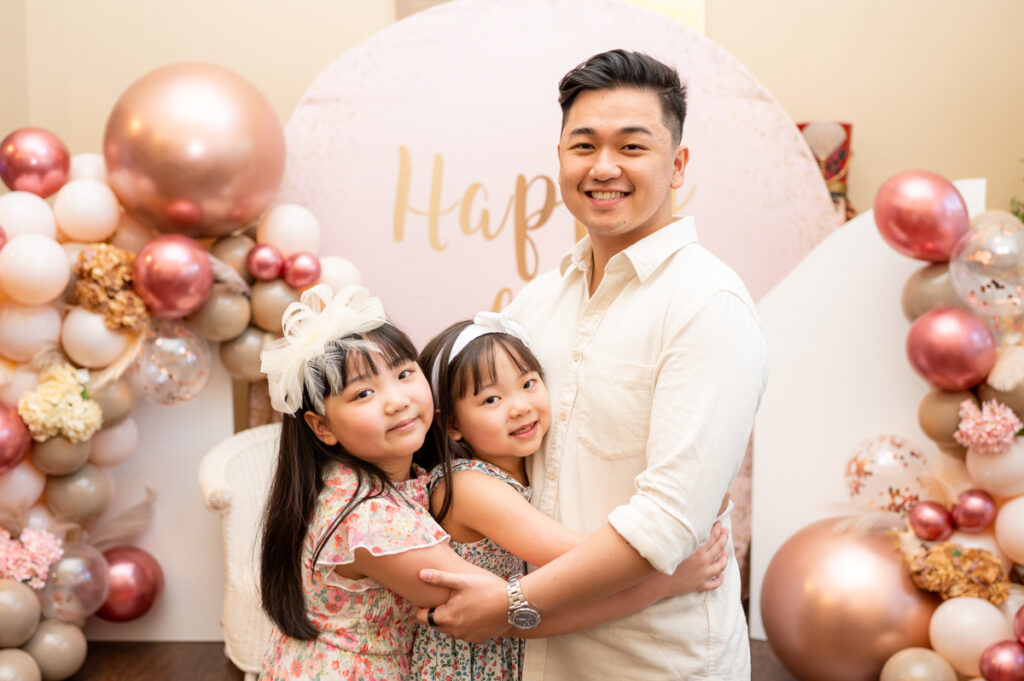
366	630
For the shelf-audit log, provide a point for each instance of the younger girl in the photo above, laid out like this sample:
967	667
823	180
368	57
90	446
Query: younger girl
493	411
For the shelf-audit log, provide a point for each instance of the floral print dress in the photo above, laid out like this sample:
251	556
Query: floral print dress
439	657
366	630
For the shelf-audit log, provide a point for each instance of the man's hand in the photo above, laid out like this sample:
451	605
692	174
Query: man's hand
477	609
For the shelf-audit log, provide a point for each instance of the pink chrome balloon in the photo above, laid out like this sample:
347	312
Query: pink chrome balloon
1018	624
1003	661
136	582
975	510
194	149
921	215
301	270
34	160
264	262
15	440
930	521
172	274
951	348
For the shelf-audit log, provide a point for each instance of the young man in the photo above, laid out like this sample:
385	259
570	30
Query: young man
655	363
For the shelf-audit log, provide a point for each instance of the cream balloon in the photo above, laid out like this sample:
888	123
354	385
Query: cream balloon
1001	475
33	269
21	486
338	273
26	329
131	235
290	228
19	613
961	629
26	213
88	166
38	517
917	664
86	210
58	648
113	445
22	380
87	340
17	665
1009	529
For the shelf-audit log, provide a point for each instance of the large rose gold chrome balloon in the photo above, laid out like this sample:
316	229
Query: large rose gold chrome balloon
172	275
951	348
136	582
34	160
837	605
921	215
194	149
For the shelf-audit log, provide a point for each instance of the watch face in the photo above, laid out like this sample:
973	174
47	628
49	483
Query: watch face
524	619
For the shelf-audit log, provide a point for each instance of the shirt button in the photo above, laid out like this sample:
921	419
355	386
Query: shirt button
563	415
576	355
552	475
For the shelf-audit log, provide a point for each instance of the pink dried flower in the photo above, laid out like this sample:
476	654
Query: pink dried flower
28	559
989	430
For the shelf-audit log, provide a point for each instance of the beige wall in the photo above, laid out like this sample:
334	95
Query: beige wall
931	84
13	67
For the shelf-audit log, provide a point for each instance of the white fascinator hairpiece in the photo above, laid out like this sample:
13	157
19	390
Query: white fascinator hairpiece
318	318
483	324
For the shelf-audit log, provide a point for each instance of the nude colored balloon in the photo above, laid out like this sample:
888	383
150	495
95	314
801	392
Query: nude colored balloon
87	340
951	348
233	250
269	301
17	665
80	496
33	269
1001	475
939	414
19	613
1014	399
34	160
21	486
338	272
88	166
86	210
60	456
1010	529
837	605
917	664
113	445
223	316
291	228
194	149
26	213
928	288
23	379
38	517
241	356
116	400
963	627
58	648
921	215
132	235
26	329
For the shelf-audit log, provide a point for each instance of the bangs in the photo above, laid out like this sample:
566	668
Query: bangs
476	366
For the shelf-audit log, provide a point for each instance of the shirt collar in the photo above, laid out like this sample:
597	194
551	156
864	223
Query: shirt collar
645	255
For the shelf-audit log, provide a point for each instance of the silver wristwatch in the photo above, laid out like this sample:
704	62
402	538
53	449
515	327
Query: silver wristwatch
521	614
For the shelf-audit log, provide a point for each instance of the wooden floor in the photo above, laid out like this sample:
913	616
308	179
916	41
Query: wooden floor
108	661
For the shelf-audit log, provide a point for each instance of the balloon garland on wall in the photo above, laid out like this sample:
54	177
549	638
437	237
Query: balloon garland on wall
918	584
115	289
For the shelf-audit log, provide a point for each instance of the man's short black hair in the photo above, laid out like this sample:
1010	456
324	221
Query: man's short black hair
625	69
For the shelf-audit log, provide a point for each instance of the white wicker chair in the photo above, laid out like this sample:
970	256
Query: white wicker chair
234	477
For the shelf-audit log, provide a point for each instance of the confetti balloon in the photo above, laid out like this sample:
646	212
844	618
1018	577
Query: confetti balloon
173	365
886	473
987	268
77	584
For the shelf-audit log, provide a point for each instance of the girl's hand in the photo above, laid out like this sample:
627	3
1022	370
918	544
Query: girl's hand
702	571
477	609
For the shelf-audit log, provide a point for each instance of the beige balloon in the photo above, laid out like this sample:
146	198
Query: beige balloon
80	496
17	665
88	341
223	316
1009	529
60	456
1001	475
1014	399
19	613
928	288
58	648
917	664
233	250
241	356
961	628
939	414
116	401
269	300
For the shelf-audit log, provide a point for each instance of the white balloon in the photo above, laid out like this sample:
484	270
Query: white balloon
88	341
86	210
115	444
338	273
22	380
1001	475
88	166
1010	529
961	628
26	213
26	329
33	269
39	518
21	486
131	235
291	228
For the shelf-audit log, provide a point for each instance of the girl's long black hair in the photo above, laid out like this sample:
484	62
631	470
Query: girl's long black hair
473	368
299	479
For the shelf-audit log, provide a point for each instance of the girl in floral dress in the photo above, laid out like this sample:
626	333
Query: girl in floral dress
493	411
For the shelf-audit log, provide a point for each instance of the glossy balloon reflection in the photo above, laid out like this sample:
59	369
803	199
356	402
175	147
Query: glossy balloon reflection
921	215
77	584
174	364
951	348
15	440
173	276
136	582
58	648
34	160
1003	661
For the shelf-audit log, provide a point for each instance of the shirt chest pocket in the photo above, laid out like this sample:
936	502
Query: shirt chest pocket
614	407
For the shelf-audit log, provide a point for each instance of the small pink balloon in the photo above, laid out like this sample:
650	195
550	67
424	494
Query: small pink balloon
1003	661
264	262
930	521
921	215
136	582
1018	624
301	270
34	160
951	348
975	510
172	274
15	440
